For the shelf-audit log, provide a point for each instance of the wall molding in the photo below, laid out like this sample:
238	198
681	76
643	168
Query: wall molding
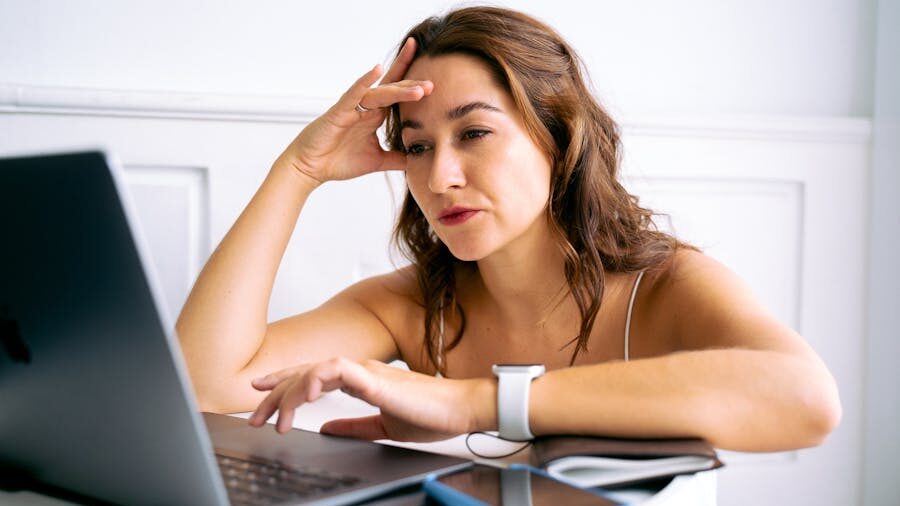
840	129
158	104
18	98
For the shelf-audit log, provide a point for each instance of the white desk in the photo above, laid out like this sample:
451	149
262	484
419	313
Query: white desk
696	490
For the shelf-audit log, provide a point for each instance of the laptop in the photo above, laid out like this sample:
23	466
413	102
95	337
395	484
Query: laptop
94	394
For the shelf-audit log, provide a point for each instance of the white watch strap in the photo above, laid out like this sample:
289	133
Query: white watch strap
513	388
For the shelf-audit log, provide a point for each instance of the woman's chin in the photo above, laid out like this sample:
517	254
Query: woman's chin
467	253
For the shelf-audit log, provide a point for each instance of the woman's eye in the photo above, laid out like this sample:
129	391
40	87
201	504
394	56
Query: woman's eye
418	148
474	134
415	149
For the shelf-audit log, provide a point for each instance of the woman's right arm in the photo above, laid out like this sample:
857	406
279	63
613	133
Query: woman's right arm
223	325
223	329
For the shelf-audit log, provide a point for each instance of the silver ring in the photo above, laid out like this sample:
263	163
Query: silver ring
361	108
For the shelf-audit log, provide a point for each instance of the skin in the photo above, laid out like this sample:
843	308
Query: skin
707	359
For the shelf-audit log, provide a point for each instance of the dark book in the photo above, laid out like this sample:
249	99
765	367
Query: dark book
609	462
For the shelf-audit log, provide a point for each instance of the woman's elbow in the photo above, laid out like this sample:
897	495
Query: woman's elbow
813	406
801	415
823	412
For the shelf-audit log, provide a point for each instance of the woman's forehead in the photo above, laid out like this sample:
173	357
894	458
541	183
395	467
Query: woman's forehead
427	66
459	79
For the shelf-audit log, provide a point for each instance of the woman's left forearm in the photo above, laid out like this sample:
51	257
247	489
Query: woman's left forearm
738	399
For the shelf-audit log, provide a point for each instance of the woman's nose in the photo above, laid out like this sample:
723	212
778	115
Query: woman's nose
446	171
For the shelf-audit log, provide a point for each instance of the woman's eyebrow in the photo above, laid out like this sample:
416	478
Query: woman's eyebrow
459	112
455	113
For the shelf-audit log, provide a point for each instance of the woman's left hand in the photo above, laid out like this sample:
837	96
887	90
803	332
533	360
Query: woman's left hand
414	406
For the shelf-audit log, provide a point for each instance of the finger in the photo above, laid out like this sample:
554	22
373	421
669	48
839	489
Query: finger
403	91
324	376
393	160
280	400
369	428
270	381
285	396
402	62
405	83
336	373
265	382
292	398
285	419
356	92
307	389
267	407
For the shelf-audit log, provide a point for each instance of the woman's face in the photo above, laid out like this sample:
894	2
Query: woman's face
474	171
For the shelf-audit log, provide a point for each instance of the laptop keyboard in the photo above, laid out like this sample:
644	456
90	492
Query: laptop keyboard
258	482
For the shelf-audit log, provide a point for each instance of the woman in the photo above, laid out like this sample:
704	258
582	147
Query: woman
525	249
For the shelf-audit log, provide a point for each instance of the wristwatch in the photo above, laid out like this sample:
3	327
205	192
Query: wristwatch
513	385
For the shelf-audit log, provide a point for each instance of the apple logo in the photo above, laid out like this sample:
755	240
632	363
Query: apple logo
12	340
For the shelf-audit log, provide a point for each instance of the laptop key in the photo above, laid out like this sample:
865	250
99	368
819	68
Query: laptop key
251	481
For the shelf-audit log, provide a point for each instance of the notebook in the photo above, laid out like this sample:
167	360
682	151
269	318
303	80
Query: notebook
588	461
94	394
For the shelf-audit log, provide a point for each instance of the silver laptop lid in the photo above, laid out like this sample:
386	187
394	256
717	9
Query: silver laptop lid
79	307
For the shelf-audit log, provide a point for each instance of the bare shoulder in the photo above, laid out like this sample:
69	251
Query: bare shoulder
389	290
700	303
691	272
394	298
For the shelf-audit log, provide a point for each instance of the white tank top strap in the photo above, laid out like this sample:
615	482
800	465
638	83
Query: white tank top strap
440	344
634	290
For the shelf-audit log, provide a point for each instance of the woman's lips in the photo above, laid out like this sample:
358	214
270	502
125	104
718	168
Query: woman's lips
456	218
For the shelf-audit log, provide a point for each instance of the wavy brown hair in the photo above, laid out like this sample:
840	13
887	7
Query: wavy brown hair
596	223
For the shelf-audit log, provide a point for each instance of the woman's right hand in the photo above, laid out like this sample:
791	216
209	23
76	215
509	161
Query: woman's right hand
342	143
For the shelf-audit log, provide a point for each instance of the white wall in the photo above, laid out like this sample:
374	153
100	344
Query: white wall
706	57
655	59
882	429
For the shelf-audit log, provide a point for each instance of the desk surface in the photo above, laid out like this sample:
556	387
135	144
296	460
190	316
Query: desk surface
695	490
